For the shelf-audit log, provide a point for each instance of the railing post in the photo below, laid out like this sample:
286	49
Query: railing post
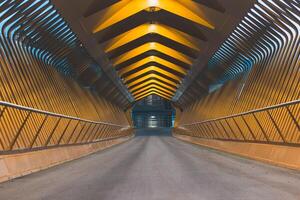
196	130
100	132
63	133
71	135
207	131
86	132
52	132
204	132
77	138
277	128
91	138
103	131
249	128
212	127
293	118
87	135
239	128
38	132
224	129
230	129
260	126
1	113
106	130
11	146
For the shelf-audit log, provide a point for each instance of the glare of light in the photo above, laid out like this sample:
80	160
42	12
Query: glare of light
152	117
152	28
153	3
152	45
152	58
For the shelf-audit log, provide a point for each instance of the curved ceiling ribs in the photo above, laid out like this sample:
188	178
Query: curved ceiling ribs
41	28
258	37
152	44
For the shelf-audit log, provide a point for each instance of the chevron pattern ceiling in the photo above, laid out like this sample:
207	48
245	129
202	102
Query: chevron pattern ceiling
152	44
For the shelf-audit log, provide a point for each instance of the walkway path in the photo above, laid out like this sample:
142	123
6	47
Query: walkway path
157	168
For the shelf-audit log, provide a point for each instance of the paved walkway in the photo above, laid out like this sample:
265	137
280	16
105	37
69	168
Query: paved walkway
157	168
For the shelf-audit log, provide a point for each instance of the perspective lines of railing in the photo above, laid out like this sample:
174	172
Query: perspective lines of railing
274	124
23	128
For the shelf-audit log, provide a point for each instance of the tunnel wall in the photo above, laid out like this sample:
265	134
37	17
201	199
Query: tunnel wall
44	101
55	102
37	69
279	155
259	99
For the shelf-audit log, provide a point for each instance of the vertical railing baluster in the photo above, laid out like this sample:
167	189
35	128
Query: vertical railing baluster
103	131
260	126
249	128
100	132
86	132
211	124
231	129
52	132
1	114
220	133
203	132
73	132
88	135
91	138
293	118
208	131
277	128
38	131
77	138
106	131
11	146
239	128
63	133
2	111
224	130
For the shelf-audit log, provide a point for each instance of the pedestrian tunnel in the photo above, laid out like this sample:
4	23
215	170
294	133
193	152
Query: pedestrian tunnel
77	77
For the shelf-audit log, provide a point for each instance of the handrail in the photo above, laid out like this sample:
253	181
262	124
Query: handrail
8	152
32	132
3	103
246	113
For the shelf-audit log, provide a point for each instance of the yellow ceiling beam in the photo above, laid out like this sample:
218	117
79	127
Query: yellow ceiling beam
145	29
125	9
153	59
152	86
152	68
153	89
152	46
141	97
151	76
150	82
156	91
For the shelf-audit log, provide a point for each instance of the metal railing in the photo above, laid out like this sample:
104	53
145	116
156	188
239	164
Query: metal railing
24	128
274	124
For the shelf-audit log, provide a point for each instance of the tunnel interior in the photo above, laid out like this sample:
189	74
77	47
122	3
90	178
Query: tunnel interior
77	77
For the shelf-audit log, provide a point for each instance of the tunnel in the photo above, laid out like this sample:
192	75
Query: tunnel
149	99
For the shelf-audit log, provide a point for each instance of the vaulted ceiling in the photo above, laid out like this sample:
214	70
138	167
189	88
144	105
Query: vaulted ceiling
153	46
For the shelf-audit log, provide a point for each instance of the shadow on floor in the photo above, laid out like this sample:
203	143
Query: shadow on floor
161	132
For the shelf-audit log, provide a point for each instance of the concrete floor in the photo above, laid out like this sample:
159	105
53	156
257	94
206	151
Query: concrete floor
153	168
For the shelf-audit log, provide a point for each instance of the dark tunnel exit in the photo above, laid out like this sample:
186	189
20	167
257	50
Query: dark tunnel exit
153	112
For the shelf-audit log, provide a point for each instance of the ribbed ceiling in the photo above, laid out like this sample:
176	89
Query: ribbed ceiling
155	46
152	44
